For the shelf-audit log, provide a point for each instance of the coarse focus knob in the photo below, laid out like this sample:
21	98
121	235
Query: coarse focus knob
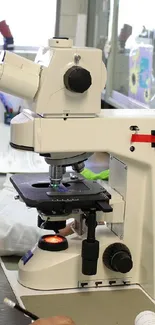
117	257
77	79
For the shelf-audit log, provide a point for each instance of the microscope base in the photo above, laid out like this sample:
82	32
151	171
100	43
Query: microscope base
47	270
109	305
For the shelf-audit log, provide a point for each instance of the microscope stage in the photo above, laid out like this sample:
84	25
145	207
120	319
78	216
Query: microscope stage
35	191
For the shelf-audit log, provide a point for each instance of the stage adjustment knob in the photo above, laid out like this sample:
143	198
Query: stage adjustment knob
77	79
117	257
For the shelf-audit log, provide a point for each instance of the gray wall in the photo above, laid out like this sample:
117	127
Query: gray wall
68	12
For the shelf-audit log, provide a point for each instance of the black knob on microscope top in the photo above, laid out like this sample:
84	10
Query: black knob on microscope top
117	257
77	79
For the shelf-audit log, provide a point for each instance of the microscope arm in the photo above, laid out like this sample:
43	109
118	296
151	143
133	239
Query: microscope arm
100	134
109	132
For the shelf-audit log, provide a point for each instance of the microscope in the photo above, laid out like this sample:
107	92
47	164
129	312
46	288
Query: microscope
66	126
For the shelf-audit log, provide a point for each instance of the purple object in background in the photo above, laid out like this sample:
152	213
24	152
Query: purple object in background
140	73
5	101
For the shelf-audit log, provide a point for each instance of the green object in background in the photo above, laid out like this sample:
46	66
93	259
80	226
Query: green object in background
88	174
8	117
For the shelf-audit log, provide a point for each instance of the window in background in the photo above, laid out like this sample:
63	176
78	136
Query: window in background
110	22
103	14
32	22
134	74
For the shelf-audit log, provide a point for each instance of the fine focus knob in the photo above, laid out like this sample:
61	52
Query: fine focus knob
117	257
77	79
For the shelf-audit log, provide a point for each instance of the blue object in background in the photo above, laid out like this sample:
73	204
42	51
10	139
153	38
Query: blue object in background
9	114
6	103
144	73
8	117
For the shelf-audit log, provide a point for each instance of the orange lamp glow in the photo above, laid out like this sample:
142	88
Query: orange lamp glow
53	239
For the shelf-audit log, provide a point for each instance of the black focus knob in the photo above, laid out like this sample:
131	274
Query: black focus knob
117	257
77	79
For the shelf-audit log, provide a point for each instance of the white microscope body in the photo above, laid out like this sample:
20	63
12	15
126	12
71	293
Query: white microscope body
67	122
49	85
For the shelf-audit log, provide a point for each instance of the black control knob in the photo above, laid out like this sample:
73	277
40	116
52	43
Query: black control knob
77	79
117	257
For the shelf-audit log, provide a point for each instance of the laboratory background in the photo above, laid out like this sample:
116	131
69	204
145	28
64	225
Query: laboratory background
124	31
121	29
